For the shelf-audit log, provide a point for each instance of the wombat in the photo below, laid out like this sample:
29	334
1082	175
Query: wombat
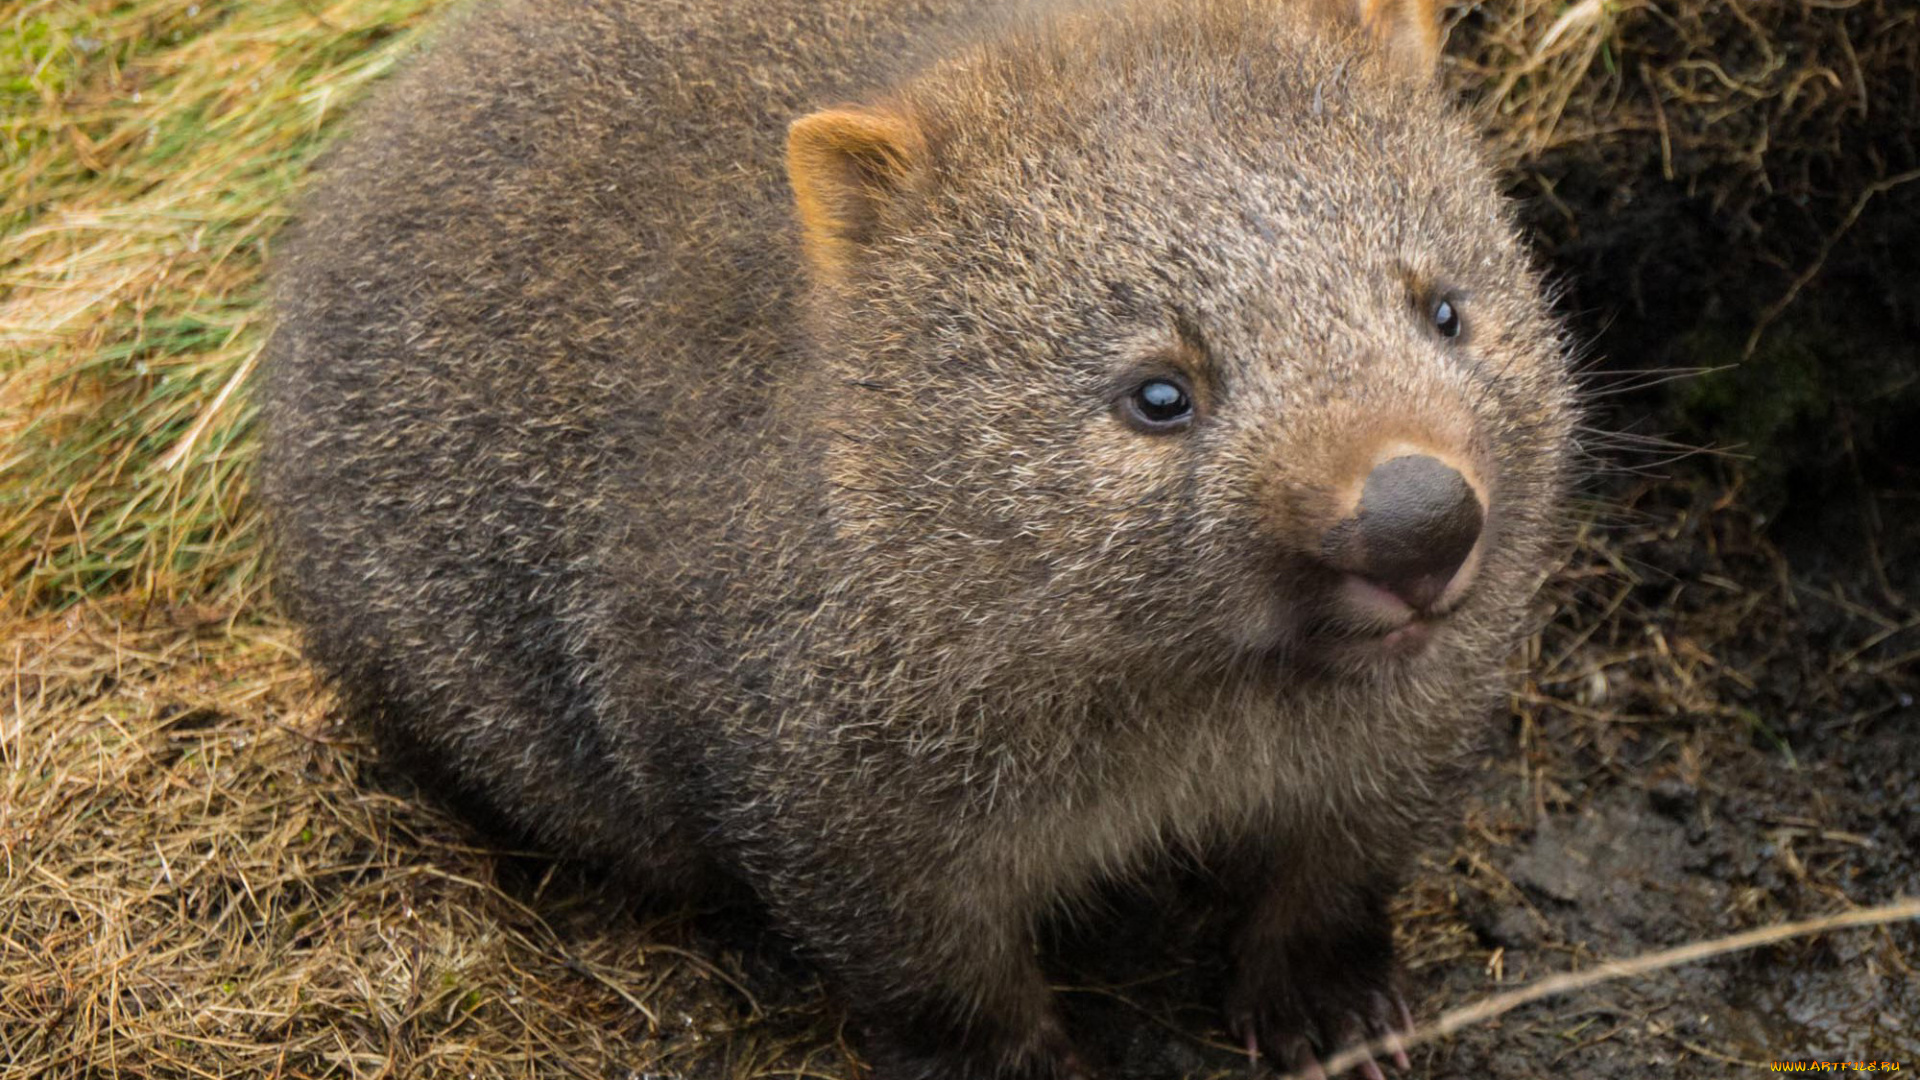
919	461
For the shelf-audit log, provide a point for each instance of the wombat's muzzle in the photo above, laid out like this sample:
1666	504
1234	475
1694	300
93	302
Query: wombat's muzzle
1413	531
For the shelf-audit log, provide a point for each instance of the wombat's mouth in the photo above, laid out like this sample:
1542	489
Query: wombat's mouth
1365	624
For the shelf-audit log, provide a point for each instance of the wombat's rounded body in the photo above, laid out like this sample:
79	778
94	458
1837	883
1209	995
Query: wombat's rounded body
1140	443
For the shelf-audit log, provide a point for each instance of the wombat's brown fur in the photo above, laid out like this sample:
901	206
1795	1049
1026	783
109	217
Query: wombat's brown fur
1138	445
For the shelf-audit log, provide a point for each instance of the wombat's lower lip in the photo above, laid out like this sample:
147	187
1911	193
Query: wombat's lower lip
1407	640
1358	651
1365	623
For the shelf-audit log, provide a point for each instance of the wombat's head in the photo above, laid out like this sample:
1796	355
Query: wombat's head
1192	331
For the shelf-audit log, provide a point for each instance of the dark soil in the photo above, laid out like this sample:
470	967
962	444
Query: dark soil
1734	746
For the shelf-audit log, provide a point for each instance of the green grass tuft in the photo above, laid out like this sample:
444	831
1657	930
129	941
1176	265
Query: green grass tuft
150	152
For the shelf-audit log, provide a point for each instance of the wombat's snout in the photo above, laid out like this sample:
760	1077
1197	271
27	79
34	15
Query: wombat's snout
1413	530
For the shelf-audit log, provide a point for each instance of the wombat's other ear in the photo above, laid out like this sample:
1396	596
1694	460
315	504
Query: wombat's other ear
845	165
1409	28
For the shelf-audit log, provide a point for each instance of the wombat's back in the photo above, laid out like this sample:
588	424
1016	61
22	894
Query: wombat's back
553	251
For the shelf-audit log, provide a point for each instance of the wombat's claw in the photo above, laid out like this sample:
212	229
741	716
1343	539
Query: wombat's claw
1386	1019
1295	1054
1390	1018
1357	1030
1292	1054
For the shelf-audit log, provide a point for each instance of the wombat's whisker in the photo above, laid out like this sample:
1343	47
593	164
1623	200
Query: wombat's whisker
1633	382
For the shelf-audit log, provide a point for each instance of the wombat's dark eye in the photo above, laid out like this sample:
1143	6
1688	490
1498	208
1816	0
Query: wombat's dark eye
1446	319
1160	405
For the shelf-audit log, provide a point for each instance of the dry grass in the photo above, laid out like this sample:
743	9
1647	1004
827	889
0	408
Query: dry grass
1741	102
1709	159
200	880
201	875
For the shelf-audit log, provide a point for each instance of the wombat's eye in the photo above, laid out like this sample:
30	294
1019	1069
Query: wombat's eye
1446	318
1160	405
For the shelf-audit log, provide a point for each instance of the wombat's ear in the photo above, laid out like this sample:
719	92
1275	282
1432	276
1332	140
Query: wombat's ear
1409	28
845	165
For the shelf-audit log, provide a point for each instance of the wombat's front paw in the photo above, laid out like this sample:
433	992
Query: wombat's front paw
1303	1001
922	1052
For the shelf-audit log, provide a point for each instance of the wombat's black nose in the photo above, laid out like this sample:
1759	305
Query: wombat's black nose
1416	523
